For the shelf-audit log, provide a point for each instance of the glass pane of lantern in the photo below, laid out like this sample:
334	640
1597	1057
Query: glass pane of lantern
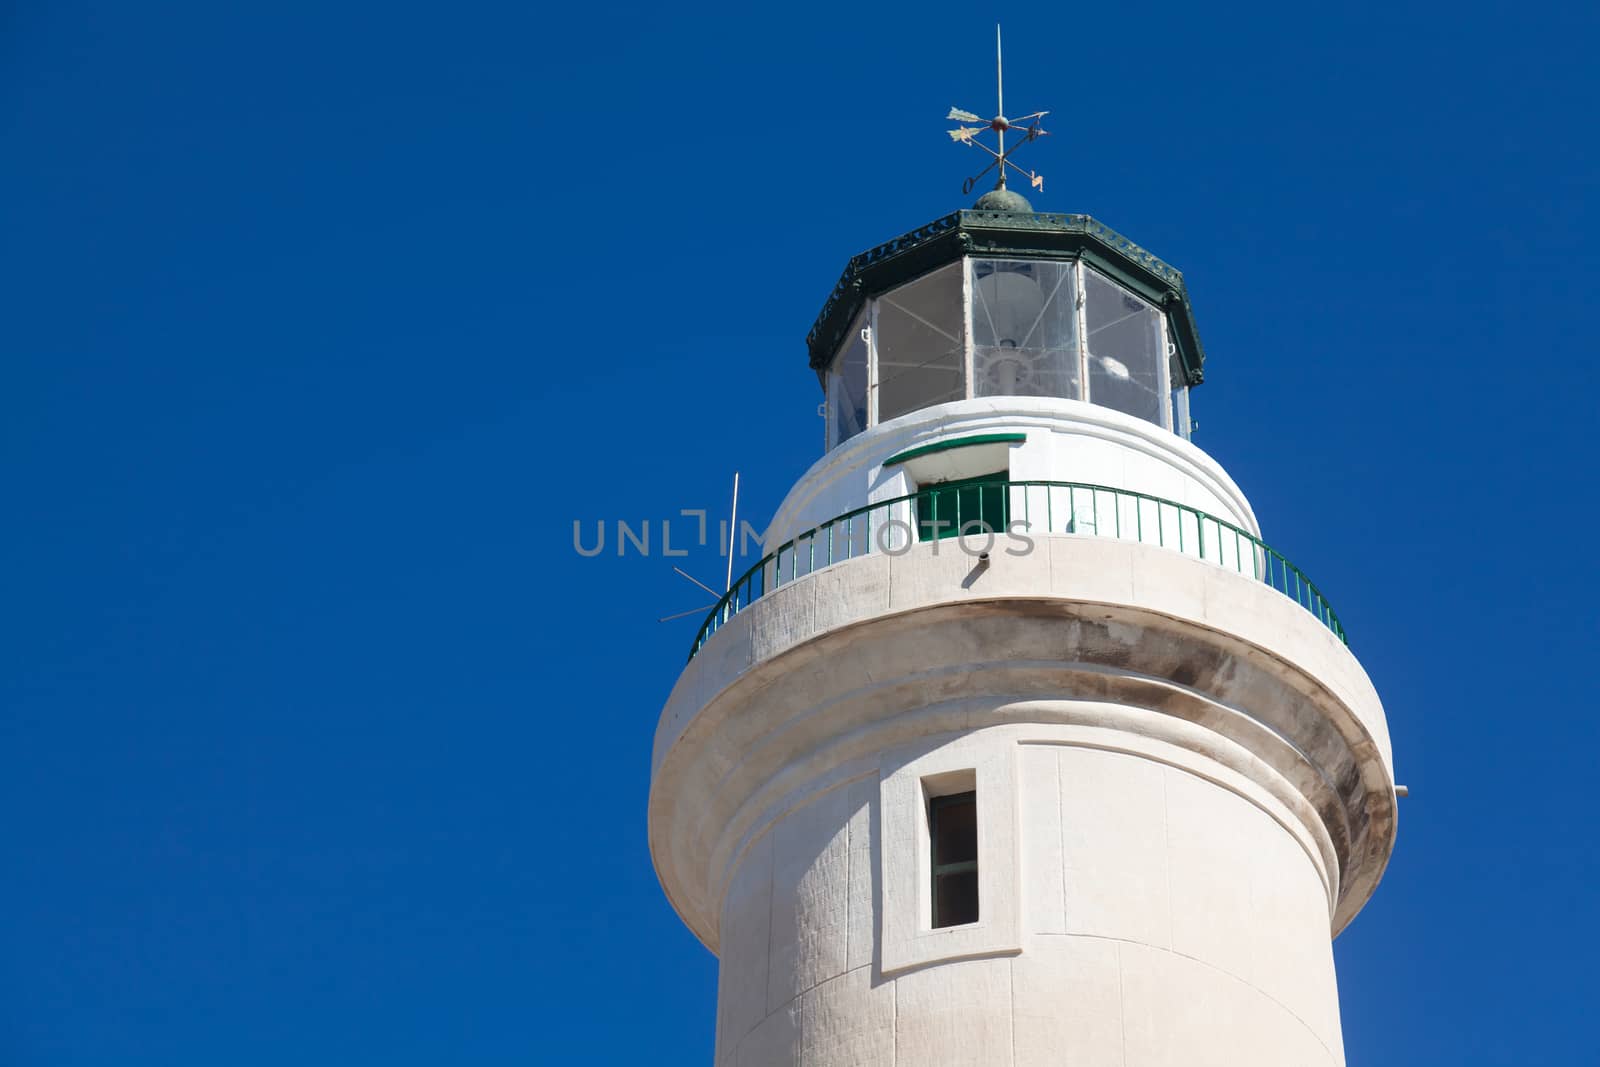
1180	411
1180	397
1127	367
1024	329
847	385
919	343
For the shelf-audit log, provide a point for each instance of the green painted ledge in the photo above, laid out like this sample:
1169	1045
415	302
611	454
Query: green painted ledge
956	442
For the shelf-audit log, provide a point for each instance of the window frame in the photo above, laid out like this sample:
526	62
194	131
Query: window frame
983	762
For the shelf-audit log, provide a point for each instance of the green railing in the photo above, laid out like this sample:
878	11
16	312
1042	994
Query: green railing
894	526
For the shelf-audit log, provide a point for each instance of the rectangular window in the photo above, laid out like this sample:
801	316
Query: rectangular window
948	886
945	507
953	841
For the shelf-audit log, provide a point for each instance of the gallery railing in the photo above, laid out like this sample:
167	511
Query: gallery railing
1012	510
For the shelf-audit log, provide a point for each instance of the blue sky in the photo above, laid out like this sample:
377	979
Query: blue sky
322	323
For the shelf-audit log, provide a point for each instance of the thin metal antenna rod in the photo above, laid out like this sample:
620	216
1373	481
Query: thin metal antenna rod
697	581
693	611
681	614
999	76
1000	99
733	531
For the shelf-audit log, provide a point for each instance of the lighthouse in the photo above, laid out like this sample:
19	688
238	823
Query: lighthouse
1023	743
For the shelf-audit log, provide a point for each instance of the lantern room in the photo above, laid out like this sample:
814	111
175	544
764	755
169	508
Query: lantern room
1001	301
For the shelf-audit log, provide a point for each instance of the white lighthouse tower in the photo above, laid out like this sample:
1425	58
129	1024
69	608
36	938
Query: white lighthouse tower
1021	745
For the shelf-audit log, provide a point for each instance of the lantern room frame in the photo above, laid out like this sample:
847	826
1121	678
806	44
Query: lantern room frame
973	236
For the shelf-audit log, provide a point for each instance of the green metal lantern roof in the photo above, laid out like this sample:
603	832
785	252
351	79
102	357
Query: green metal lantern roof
1014	234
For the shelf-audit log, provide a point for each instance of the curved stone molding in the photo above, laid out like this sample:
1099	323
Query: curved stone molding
1130	647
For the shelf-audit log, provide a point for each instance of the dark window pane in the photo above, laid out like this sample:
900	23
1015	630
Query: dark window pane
955	829
953	833
955	898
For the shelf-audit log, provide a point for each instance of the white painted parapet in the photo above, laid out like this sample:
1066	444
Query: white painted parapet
1062	441
1184	789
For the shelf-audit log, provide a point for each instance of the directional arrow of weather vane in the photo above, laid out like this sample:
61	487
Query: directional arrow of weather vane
968	135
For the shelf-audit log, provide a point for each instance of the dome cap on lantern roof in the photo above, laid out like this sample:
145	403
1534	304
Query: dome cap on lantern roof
1003	200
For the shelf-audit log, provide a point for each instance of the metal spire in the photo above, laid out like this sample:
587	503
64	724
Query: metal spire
999	103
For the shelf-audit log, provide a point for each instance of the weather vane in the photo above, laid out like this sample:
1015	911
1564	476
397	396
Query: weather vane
999	124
